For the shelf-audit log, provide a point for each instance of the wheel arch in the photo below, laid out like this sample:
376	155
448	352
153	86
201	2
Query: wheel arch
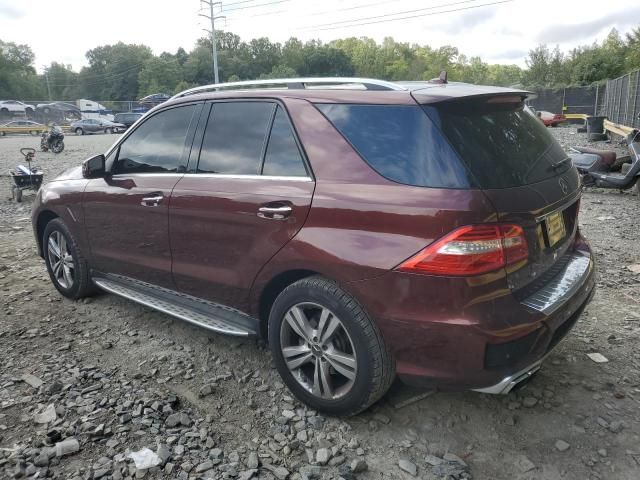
273	288
44	218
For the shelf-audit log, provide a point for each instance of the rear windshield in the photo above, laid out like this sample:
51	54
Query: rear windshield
474	143
400	143
503	144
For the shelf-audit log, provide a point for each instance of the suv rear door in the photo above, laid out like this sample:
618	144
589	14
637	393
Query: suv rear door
521	168
246	194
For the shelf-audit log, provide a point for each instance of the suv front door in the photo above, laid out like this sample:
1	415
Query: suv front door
247	193
126	215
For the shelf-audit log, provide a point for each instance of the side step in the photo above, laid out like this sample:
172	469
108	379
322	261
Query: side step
209	315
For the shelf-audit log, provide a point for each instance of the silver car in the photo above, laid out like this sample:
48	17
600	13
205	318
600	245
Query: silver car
96	125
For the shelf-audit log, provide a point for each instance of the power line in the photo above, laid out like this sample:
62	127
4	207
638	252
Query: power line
324	12
241	1
224	9
333	26
106	77
443	5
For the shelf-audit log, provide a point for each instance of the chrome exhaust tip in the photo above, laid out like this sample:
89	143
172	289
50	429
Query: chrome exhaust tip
511	382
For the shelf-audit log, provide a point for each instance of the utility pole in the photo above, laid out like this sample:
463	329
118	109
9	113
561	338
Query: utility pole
212	17
46	76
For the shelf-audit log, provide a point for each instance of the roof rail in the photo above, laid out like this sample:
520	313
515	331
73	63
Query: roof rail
295	83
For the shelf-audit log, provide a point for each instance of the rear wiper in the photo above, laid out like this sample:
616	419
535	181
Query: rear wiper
560	163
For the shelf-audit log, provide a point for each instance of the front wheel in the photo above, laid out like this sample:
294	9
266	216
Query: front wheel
327	349
66	265
79	131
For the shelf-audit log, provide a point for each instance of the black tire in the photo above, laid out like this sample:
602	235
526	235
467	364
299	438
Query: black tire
581	130
79	131
17	194
375	366
81	286
57	147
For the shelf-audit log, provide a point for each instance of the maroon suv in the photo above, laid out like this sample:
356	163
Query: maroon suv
367	229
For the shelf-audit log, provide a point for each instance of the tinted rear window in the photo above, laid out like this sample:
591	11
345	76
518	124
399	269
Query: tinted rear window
502	144
400	143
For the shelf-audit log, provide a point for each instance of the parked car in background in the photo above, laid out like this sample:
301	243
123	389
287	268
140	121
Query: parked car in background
424	230
551	119
95	125
57	112
127	119
23	126
14	107
153	100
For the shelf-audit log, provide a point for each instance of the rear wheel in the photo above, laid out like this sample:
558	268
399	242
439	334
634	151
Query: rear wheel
327	349
67	267
79	131
57	146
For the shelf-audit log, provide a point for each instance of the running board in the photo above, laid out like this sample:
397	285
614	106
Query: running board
209	315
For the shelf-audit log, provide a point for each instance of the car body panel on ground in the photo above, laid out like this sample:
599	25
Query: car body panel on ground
551	119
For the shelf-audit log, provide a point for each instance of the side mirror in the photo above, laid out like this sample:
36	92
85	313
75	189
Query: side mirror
94	167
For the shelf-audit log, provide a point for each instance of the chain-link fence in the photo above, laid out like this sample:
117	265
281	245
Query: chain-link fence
586	100
622	100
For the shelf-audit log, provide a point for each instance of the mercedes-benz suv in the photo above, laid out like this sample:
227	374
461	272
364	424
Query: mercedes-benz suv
366	229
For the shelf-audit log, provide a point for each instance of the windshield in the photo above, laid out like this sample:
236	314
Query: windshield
503	144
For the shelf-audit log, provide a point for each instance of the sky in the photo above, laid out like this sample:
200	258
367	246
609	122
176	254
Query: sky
499	31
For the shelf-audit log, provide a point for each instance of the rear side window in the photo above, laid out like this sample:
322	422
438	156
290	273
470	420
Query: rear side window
283	156
400	143
157	145
235	137
503	144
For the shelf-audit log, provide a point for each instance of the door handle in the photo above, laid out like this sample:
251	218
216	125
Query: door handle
152	201
276	212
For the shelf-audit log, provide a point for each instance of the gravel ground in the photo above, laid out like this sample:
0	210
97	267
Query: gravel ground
104	388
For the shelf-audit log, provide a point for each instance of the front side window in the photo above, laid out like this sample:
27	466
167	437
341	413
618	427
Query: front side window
235	137
283	156
157	145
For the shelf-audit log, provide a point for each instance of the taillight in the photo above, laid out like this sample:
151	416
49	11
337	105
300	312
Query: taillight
471	250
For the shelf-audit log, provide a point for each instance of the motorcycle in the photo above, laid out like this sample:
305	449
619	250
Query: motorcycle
604	169
52	140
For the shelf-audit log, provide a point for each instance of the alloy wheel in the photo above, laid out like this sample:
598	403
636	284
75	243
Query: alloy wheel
60	259
318	351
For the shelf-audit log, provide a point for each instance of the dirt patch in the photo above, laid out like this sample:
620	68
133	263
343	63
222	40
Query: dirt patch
122	377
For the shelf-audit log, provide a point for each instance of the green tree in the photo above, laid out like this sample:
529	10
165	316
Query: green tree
63	81
18	78
279	71
113	71
632	57
159	74
505	75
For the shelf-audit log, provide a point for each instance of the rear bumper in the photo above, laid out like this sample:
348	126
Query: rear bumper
457	335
